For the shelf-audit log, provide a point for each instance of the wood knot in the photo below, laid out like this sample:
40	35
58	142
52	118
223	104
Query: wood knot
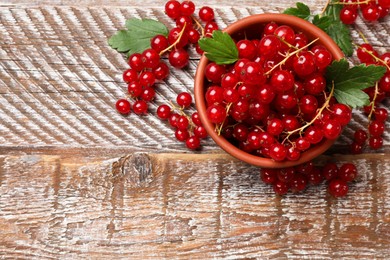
134	170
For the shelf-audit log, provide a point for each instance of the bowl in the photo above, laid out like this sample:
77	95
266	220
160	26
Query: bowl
243	27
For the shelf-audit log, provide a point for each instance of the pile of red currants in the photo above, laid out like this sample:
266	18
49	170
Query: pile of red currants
274	102
376	114
371	10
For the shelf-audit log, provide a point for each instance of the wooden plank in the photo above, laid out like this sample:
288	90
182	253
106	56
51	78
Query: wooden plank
59	80
183	206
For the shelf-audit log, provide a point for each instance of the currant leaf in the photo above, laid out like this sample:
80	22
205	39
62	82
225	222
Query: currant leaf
137	37
322	22
350	82
337	29
301	11
220	48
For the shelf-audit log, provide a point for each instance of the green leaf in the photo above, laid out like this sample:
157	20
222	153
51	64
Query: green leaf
322	22
349	82
220	48
146	27
337	30
137	38
120	41
301	11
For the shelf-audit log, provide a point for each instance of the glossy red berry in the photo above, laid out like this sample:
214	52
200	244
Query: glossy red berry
280	188
270	28
315	84
371	12
342	113
196	119
181	135
216	113
173	38
278	152
182	122
347	172
187	8
375	142
298	183
348	15
363	52
148	94
193	35
159	43
147	79
172	9
130	75
331	129
282	80
161	72
123	106
178	58
330	171
384	3
150	58
200	132
206	14
268	176
135	61
323	58
184	99
376	128
140	107
163	112
338	188
246	49
135	89
214	72
193	142
304	64
269	46
360	136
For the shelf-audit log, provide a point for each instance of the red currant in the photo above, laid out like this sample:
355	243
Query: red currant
338	188
163	112
172	9
184	99
193	142
123	106
206	14
178	58
130	75
140	107
347	172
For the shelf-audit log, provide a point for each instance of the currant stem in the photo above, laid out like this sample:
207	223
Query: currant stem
319	113
176	42
199	25
376	58
372	103
218	128
363	37
289	55
351	3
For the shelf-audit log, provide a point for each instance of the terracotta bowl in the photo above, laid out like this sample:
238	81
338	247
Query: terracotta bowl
247	26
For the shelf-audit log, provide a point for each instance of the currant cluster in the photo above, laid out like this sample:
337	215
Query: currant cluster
376	114
273	101
371	10
188	28
296	179
148	67
188	129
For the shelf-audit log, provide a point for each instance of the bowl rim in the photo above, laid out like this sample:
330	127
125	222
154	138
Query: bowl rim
281	19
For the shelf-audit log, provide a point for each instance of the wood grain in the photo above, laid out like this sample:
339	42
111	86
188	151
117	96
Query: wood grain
59	79
175	206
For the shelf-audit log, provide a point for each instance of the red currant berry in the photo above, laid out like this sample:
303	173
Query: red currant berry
216	114
380	114
161	72
298	183
342	113
282	80
286	33
268	176
200	132
375	142
269	46
140	107
206	14
193	35
187	8
229	80
278	152
178	58
210	27
148	94
130	75
214	72
252	73
182	122
265	94
347	172
330	171
196	119
280	188
147	79
135	61
150	58
275	126
363	53
371	12
356	148
214	95
290	123
286	174
193	143
315	176
159	43
246	49
184	21
331	129
270	28
384	83
184	99
315	84
302	144
314	134
182	135
384	3
134	89
173	38
383	11
304	168
308	104
304	64
123	106
360	136
172	119
338	188
163	112
348	15
376	128
293	153
172	9
323	58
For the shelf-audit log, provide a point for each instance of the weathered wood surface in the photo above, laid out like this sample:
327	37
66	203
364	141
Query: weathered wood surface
177	206
59	136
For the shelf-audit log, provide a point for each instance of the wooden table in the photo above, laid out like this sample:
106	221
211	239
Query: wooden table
77	180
